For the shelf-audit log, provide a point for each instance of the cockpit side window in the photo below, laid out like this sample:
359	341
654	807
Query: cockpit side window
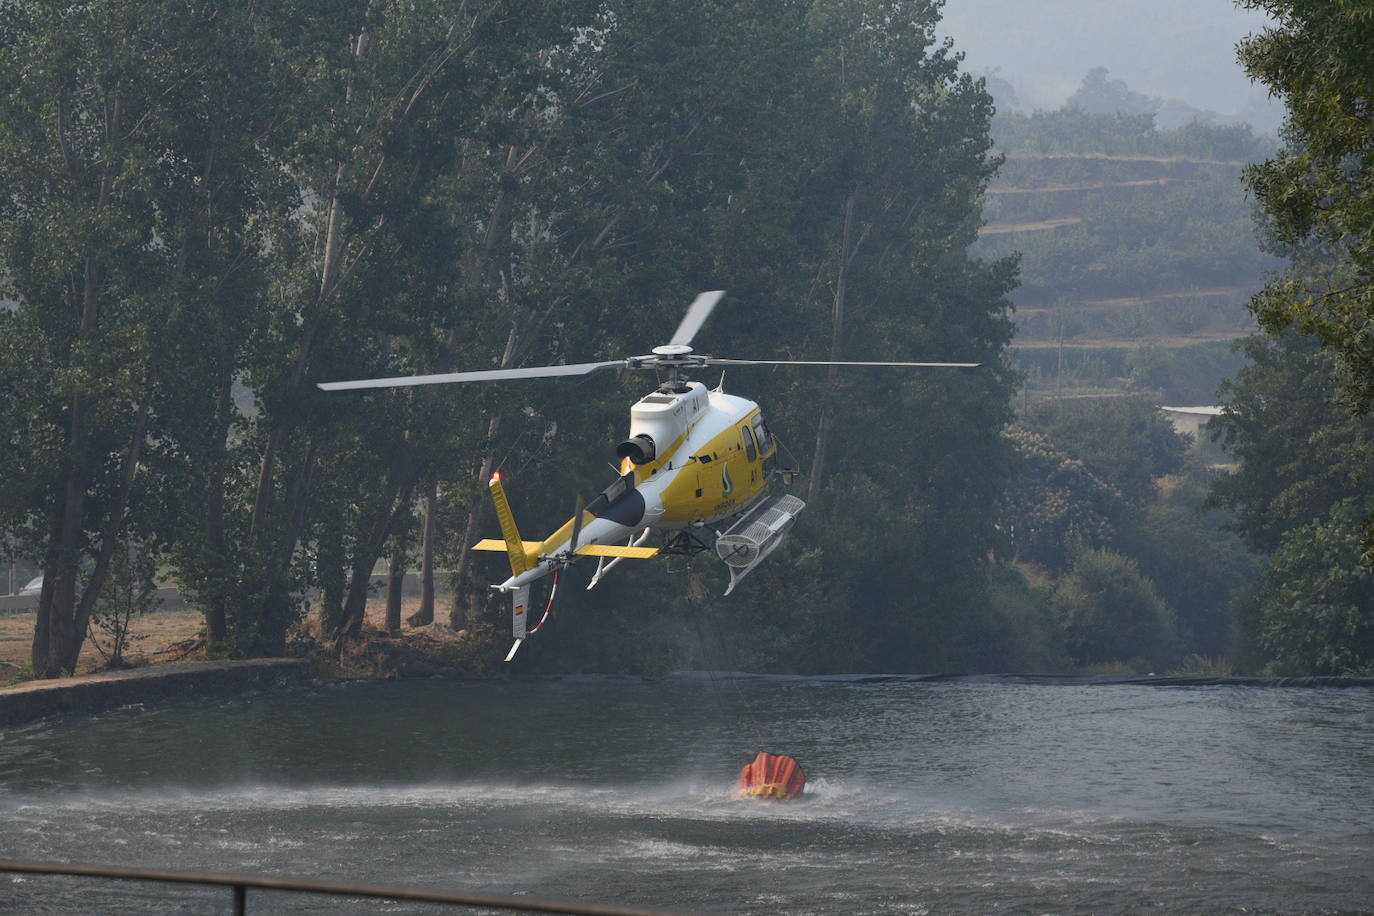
750	451
761	433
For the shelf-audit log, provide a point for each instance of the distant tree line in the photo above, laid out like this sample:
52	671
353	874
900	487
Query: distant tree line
1073	129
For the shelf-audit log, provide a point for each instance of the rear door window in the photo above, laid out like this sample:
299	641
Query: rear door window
750	450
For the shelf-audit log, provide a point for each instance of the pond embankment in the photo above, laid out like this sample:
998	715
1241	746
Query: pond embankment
95	692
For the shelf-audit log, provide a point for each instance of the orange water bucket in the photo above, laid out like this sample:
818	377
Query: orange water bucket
774	776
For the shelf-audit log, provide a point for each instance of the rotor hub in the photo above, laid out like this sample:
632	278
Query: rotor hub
674	358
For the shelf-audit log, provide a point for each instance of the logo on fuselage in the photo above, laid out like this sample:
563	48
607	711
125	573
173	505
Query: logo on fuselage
725	481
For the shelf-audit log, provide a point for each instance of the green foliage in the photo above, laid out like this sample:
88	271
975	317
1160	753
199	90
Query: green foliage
1319	190
1319	206
1024	634
23	674
1127	442
1198	566
1316	602
1108	506
81	165
1299	491
1300	450
1086	467
1302	483
1110	613
1055	502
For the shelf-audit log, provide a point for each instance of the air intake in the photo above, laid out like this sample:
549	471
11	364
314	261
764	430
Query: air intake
639	449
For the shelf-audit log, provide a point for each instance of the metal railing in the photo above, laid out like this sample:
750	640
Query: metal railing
240	885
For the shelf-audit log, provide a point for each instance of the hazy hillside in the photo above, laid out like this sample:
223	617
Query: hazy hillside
1138	252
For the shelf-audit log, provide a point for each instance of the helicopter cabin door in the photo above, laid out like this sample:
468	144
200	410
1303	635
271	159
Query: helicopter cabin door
768	449
751	455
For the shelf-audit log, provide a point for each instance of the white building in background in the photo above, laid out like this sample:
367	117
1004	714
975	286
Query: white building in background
1189	421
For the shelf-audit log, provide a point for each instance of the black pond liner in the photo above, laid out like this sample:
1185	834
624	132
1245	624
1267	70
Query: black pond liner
1046	680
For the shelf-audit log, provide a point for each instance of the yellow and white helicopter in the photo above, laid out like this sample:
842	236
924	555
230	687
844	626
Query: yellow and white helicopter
694	459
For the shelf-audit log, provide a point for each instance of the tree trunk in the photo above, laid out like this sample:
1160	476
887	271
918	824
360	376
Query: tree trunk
395	580
457	608
458	615
216	624
61	610
424	616
329	279
365	558
42	628
355	598
57	606
109	537
263	607
836	336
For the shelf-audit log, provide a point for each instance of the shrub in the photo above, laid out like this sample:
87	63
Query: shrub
1110	613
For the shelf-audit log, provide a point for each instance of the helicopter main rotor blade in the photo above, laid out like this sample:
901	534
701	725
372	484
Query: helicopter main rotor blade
696	316
714	361
488	375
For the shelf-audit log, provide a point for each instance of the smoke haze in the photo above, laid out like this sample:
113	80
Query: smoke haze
1169	49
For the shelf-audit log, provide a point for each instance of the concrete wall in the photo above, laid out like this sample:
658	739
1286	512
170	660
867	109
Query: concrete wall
170	596
95	692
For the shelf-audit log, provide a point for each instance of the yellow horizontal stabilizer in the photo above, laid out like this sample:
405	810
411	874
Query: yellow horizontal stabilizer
609	550
495	544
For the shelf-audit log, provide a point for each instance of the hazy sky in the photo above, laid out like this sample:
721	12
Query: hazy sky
1182	49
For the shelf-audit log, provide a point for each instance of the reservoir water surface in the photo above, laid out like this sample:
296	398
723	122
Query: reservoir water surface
924	796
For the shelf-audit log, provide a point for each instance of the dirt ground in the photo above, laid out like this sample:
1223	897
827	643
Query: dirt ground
157	637
1127	343
160	637
1038	225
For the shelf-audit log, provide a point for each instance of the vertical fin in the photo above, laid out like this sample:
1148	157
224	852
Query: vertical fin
515	548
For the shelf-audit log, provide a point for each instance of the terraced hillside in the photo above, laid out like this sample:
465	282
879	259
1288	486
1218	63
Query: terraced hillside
1138	251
